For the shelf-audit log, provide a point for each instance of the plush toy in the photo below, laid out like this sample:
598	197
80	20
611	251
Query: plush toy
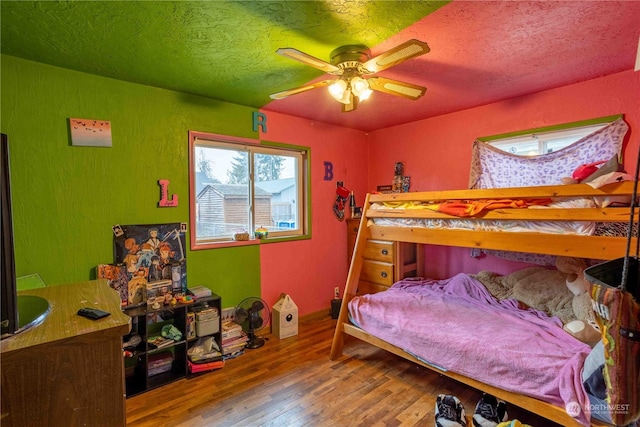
561	292
578	285
584	171
538	287
584	327
586	331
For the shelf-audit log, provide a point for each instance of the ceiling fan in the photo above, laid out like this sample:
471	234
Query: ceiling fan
351	63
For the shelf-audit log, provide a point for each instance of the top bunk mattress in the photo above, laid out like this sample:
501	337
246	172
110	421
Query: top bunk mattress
553	227
600	211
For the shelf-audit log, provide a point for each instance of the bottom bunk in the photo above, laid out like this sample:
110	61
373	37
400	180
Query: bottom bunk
518	354
551	412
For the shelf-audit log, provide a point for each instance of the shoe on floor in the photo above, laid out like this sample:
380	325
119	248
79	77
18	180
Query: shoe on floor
449	412
489	412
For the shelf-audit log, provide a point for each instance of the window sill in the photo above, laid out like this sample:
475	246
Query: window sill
234	243
227	244
280	239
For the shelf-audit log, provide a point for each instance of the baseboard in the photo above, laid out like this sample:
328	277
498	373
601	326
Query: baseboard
316	315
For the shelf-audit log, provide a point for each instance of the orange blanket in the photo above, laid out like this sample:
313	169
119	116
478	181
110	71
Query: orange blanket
471	208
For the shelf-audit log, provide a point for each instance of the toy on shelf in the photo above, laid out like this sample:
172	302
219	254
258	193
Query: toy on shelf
171	332
241	236
401	182
185	299
261	233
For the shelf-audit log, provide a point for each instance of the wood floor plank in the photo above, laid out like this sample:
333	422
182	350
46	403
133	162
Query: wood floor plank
292	382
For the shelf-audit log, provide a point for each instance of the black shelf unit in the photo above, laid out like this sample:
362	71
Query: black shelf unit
147	322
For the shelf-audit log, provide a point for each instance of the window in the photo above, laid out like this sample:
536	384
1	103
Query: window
239	185
546	140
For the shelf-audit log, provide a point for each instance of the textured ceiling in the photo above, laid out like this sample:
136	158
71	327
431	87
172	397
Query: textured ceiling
481	51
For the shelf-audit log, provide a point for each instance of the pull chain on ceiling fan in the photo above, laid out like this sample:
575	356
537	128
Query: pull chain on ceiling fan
351	63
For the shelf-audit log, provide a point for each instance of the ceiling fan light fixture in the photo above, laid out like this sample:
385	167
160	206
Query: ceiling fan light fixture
350	63
360	88
346	97
337	89
341	91
365	95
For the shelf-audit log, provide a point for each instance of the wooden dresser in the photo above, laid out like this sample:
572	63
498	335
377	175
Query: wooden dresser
384	262
67	370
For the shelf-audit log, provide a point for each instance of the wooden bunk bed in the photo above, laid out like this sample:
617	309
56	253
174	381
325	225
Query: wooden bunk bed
582	246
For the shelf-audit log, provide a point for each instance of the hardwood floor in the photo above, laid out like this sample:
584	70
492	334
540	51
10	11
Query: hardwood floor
292	382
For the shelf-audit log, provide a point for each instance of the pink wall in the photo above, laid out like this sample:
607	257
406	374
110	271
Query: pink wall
308	270
437	152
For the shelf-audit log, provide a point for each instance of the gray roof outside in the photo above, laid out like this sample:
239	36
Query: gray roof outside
227	190
276	186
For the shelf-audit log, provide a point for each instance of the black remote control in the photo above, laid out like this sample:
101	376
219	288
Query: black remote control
92	313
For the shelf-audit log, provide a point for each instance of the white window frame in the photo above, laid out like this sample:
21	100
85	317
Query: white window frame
560	136
252	147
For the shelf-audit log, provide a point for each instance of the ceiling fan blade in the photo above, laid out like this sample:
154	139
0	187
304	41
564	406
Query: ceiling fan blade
396	55
312	61
294	91
352	105
395	87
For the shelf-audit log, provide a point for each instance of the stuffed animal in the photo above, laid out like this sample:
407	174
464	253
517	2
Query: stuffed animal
541	288
586	331
584	327
578	285
561	292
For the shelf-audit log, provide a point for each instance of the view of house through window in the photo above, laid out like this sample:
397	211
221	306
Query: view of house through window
241	187
537	143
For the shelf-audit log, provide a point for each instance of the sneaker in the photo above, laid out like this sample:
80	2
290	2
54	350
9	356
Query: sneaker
489	412
449	412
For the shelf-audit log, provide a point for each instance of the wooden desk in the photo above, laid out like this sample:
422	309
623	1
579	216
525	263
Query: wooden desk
68	370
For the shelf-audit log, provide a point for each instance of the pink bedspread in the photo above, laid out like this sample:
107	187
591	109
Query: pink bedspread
456	324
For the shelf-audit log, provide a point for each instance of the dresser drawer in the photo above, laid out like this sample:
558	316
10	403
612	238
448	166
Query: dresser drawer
379	250
370	288
377	272
352	234
352	227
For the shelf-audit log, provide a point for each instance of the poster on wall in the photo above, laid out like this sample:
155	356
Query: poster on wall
154	258
90	132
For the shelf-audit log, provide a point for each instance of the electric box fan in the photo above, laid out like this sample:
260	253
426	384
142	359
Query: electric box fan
252	314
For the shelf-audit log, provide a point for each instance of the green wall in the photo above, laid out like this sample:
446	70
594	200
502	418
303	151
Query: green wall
66	198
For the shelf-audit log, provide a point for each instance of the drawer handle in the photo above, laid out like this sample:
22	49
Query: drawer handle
385	252
384	274
355	229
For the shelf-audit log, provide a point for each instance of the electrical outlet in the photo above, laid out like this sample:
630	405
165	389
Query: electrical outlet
336	292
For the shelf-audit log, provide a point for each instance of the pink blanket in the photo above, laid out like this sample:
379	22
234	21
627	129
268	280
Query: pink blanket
456	324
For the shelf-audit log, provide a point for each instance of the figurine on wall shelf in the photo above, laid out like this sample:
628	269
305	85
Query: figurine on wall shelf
401	183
